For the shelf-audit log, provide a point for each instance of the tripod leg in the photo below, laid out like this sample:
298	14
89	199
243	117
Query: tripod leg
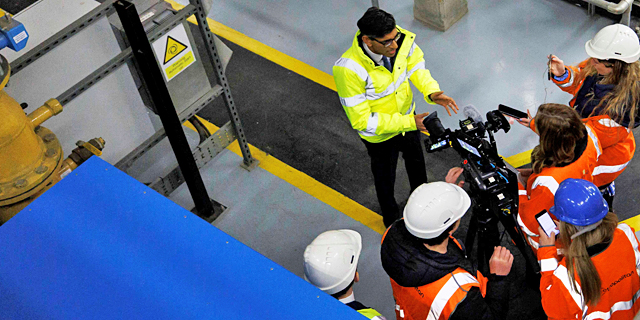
488	238
518	237
471	234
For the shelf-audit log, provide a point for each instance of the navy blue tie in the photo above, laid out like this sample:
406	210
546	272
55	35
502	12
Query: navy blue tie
386	63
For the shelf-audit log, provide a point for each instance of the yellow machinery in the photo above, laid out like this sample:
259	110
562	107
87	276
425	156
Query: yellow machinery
31	157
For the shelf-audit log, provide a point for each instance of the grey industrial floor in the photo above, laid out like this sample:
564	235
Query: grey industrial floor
495	54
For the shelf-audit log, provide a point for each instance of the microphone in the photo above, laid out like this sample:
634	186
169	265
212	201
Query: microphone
473	112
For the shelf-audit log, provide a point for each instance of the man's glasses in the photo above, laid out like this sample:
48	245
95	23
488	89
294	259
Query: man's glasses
606	63
387	43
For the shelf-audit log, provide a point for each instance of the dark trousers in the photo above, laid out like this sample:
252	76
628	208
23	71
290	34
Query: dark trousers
384	161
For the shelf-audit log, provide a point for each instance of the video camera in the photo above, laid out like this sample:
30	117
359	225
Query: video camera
493	182
484	168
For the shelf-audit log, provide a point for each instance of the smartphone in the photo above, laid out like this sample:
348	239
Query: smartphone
512	112
547	224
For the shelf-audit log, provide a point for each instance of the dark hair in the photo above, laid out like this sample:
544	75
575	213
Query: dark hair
560	129
340	293
439	239
376	23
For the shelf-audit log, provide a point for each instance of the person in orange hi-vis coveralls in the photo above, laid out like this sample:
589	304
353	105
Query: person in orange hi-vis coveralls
431	276
598	276
568	149
606	94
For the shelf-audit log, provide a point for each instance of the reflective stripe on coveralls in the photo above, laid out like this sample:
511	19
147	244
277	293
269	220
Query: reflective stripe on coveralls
436	300
618	147
439	299
455	283
541	187
620	281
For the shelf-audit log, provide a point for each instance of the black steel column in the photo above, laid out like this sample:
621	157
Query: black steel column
152	76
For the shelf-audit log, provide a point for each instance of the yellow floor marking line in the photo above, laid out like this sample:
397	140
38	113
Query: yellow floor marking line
282	170
298	66
327	195
274	166
265	51
633	222
520	159
307	184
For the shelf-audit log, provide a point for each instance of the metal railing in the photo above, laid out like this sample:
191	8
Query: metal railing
188	162
623	7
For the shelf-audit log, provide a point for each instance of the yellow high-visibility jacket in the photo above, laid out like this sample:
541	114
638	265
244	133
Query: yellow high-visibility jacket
378	103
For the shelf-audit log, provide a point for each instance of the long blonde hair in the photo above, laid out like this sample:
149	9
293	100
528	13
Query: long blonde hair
625	96
578	260
560	128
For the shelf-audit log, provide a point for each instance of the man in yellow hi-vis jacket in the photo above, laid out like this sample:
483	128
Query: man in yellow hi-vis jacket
372	82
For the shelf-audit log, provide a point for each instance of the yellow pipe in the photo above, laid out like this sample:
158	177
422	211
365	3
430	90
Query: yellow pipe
50	108
29	153
21	151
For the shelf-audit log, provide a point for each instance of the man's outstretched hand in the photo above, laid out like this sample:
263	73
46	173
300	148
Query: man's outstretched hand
447	102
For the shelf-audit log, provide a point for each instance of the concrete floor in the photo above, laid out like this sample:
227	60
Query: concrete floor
492	55
495	54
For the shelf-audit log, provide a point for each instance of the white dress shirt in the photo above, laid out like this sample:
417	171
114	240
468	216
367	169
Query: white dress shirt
377	58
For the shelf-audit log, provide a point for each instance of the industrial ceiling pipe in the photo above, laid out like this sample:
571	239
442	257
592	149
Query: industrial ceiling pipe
624	8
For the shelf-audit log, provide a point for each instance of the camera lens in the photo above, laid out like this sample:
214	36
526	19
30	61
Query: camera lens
433	125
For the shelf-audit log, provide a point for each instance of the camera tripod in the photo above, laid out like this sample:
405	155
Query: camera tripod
484	224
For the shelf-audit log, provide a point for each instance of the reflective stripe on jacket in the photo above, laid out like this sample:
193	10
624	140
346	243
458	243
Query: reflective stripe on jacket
371	314
439	299
541	187
377	102
618	146
568	85
589	92
617	267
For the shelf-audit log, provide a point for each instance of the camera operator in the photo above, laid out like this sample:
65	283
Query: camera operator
568	149
597	278
431	276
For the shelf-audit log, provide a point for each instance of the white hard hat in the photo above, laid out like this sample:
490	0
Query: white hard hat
616	41
330	261
433	207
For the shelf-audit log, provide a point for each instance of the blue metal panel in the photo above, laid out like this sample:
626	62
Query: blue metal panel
100	245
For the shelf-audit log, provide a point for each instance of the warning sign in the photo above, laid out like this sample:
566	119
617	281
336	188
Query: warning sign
174	52
174	48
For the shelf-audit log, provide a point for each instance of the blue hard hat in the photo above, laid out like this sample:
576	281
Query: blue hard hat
579	202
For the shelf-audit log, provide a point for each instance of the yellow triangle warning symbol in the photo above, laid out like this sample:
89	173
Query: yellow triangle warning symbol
174	48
